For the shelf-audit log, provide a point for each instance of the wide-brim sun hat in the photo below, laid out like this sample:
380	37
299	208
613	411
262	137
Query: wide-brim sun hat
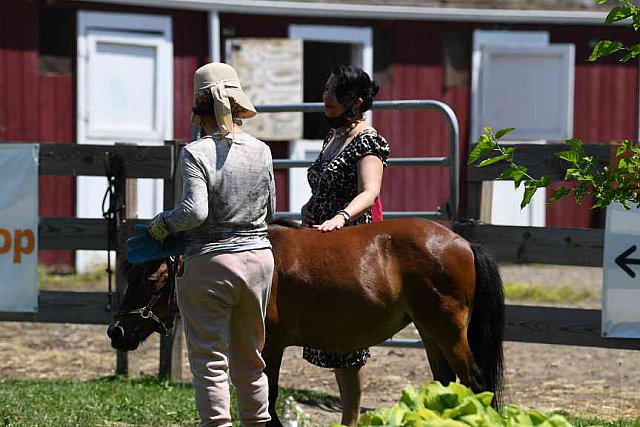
223	81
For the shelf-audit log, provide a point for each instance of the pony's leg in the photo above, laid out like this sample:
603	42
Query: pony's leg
439	366
272	355
450	336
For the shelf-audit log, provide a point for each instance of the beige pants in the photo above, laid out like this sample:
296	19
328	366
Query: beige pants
223	300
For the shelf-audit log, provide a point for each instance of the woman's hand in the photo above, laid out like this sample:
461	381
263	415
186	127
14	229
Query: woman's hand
307	216
335	223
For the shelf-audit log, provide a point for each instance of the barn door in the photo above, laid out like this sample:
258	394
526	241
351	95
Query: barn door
344	45
124	95
521	81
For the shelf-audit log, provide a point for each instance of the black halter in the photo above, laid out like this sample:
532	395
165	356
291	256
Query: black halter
162	327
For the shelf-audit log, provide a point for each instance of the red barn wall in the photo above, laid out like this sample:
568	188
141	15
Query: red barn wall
35	107
41	107
605	103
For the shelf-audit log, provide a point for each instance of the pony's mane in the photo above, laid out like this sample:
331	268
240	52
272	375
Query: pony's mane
285	222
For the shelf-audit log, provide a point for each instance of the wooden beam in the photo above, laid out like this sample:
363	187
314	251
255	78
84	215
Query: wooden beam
556	325
561	246
66	307
545	325
539	159
78	159
75	233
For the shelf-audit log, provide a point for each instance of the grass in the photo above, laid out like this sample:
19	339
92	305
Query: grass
544	294
586	421
112	401
48	279
118	401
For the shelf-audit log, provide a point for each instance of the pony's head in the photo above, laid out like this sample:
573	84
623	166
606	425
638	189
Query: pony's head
149	304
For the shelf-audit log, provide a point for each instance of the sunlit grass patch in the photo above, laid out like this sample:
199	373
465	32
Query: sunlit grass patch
539	293
115	401
47	279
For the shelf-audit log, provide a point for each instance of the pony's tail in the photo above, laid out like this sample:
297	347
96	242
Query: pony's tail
486	329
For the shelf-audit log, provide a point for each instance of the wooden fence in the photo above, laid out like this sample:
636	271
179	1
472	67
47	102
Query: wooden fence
579	247
543	245
91	234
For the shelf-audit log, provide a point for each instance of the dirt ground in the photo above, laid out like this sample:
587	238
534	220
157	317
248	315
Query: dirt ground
583	381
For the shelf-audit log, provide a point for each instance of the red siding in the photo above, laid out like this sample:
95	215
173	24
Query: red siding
605	102
35	108
190	49
39	107
417	73
605	108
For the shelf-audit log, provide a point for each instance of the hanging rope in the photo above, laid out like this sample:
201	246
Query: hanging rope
112	212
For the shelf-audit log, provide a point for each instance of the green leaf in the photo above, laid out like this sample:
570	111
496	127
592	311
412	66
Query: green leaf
395	414
633	51
575	144
484	146
602	1
488	130
411	398
571	156
530	188
515	172
486	397
558	194
492	160
619	13
503	132
604	48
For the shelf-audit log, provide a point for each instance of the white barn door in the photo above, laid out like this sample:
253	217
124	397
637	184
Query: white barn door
360	40
521	81
125	81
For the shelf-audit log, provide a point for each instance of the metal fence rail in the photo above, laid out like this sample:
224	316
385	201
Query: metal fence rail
452	161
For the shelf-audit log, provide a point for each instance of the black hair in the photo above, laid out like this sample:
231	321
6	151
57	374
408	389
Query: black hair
353	83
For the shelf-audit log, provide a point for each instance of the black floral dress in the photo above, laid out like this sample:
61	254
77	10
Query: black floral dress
334	184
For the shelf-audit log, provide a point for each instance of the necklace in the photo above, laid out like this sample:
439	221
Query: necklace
344	132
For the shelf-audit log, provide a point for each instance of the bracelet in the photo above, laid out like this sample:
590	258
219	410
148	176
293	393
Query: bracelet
344	214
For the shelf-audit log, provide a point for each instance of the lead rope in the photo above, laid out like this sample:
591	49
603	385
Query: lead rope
112	170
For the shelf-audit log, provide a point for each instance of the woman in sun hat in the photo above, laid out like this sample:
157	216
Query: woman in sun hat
228	198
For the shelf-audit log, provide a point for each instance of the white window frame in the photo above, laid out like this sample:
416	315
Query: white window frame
133	28
535	213
565	53
482	38
362	56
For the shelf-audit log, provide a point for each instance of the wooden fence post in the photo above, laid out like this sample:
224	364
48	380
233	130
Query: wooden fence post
171	344
120	194
127	363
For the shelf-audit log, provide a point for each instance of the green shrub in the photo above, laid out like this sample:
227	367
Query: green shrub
454	406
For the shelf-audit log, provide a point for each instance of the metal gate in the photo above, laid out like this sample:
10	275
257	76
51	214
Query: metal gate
450	210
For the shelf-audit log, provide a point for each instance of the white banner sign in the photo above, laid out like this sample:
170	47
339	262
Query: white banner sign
621	267
19	227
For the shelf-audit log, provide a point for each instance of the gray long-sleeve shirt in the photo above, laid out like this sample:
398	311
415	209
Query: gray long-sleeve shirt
228	195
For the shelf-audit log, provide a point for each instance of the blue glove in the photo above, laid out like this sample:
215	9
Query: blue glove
158	228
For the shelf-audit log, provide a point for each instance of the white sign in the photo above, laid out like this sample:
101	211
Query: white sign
621	282
270	72
19	227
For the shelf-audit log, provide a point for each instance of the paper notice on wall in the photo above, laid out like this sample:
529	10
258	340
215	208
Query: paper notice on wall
19	227
621	267
270	72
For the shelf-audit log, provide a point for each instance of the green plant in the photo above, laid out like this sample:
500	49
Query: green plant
606	184
455	405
